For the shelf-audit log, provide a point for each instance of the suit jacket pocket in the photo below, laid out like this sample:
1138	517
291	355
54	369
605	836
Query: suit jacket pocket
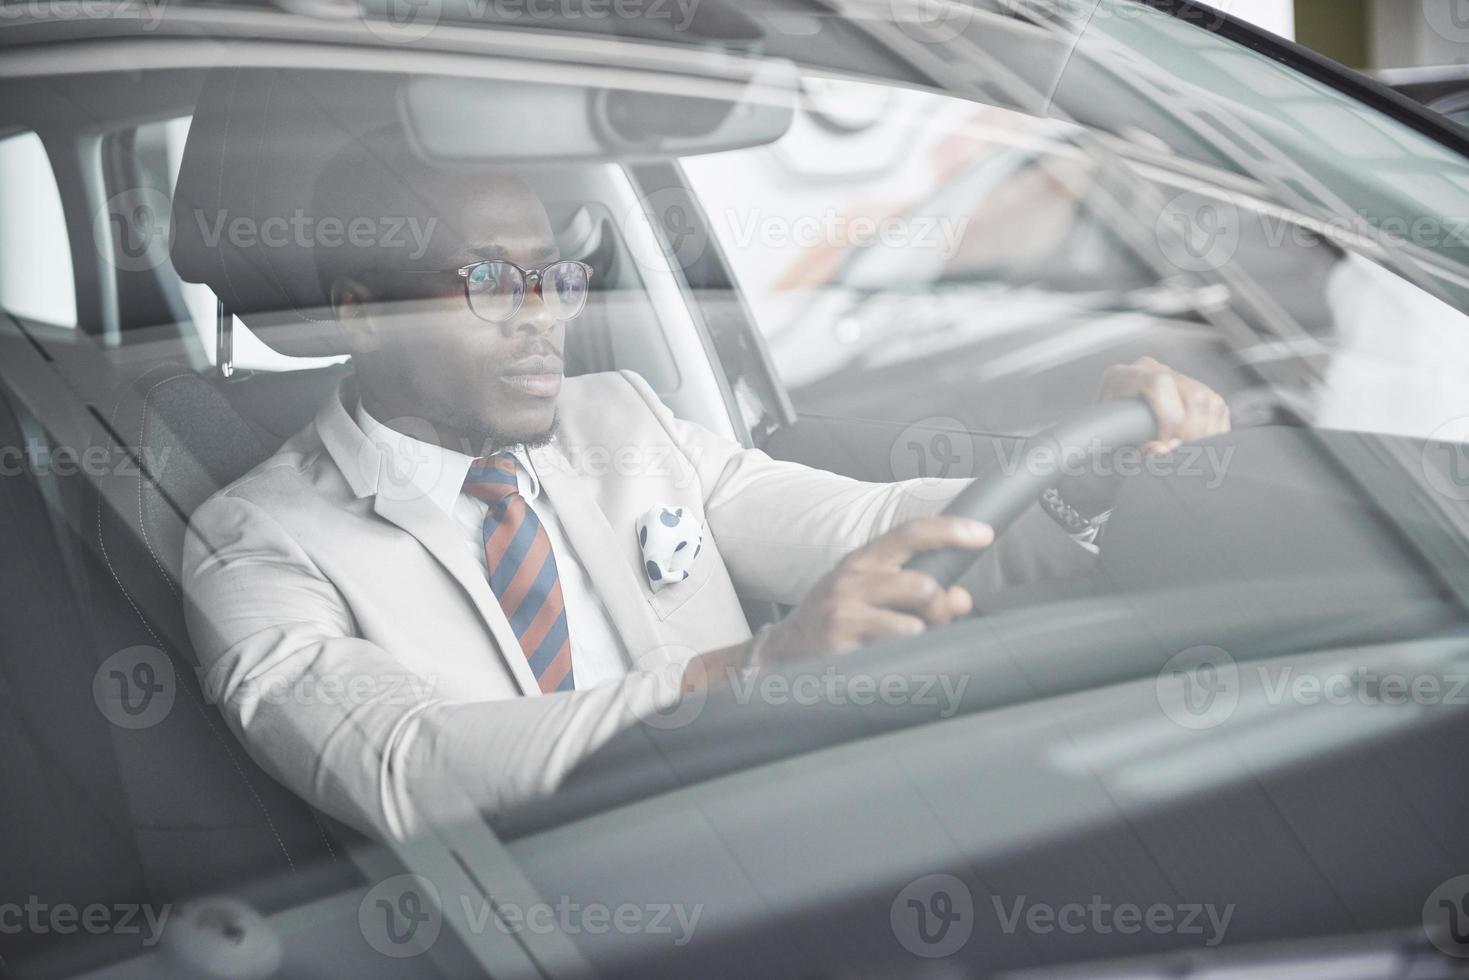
668	600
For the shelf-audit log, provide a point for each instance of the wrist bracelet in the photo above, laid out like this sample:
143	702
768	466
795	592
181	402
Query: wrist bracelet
1085	529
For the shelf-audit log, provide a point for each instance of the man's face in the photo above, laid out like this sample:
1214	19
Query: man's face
432	358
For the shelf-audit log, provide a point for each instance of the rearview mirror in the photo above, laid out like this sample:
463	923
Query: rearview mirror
634	115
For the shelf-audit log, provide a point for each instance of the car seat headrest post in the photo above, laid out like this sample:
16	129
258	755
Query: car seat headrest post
224	340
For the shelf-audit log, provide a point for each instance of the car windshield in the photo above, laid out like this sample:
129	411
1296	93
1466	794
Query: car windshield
898	245
466	446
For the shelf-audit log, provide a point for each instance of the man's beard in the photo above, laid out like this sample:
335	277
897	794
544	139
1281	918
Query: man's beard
502	441
481	440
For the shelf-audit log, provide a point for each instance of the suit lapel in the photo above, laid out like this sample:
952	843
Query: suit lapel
362	465
421	518
598	549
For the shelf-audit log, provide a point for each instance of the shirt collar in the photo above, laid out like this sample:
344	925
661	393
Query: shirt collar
437	472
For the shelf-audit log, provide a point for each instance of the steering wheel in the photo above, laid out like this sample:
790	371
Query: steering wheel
998	499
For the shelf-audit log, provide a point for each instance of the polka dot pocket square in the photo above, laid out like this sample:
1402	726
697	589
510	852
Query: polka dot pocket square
670	538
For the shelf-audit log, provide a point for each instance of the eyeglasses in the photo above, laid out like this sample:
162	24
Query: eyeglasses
496	290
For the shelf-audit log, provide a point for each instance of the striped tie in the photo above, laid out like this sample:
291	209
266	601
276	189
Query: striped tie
522	571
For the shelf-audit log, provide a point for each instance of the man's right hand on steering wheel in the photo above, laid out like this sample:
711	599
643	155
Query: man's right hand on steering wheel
869	595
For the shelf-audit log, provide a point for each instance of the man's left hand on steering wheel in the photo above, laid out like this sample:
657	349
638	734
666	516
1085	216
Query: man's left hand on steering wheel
1186	409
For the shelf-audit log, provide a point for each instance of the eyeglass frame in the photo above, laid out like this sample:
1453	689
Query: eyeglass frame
531	284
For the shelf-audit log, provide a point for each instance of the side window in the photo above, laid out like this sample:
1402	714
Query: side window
36	279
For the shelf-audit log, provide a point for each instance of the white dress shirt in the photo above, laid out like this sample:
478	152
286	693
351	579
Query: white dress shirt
597	652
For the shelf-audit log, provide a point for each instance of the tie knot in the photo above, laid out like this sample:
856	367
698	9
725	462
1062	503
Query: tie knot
492	478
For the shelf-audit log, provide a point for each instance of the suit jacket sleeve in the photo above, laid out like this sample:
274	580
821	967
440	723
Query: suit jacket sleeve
781	526
343	723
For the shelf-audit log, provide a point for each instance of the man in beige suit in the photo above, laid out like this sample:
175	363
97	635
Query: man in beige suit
433	602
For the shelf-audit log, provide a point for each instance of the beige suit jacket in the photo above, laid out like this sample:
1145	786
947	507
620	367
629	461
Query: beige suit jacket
356	649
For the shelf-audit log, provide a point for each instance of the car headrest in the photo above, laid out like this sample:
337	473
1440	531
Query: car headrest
258	140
